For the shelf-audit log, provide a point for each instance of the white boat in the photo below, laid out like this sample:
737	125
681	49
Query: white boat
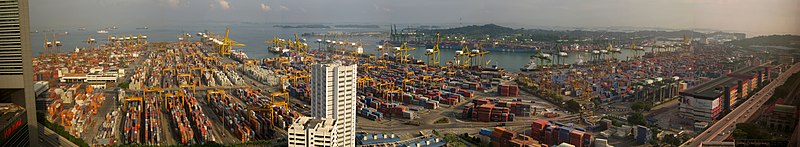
102	32
531	66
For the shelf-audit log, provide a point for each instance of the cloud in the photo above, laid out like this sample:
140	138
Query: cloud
172	3
284	8
224	4
265	7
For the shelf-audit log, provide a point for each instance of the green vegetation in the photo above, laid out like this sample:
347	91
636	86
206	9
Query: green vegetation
787	87
573	106
442	121
60	130
637	118
474	140
748	131
124	85
481	32
639	106
672	140
772	40
452	140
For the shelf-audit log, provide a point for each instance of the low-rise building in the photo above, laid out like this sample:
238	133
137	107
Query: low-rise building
711	100
780	117
310	131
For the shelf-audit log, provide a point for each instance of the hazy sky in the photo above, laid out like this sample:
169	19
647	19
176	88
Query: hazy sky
755	17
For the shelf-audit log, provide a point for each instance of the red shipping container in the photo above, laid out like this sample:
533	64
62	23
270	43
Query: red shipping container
576	138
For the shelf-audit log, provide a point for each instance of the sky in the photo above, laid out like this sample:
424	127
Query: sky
754	17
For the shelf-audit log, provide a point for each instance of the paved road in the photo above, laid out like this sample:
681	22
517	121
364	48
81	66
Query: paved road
722	129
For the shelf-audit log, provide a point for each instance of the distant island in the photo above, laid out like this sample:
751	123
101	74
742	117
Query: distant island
357	26
495	31
792	41
301	26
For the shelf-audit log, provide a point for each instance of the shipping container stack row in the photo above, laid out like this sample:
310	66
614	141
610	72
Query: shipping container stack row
179	119
503	137
232	114
258	119
132	120
375	109
107	130
199	119
152	121
484	110
508	90
262	75
106	57
614	82
87	101
554	133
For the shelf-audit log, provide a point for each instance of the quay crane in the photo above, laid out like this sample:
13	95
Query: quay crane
227	43
434	54
462	57
636	50
90	41
48	45
477	56
401	53
614	52
542	57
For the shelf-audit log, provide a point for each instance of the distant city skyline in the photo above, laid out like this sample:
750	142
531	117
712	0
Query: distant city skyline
754	17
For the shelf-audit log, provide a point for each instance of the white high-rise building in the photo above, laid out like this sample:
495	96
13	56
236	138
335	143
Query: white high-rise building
310	131
333	95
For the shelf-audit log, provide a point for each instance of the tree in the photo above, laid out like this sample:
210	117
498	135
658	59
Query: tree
748	131
642	106
573	105
636	118
672	140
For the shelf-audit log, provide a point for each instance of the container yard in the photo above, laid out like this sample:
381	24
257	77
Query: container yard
196	92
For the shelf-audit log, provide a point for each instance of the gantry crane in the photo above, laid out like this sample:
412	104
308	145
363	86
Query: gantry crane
401	53
542	57
90	41
228	43
462	57
434	54
48	46
299	46
382	49
614	52
477	56
636	49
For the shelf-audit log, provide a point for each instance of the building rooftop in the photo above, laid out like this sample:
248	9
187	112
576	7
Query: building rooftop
750	71
9	113
784	108
426	142
367	139
711	89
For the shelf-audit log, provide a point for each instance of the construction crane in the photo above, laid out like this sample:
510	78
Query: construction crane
227	43
434	54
